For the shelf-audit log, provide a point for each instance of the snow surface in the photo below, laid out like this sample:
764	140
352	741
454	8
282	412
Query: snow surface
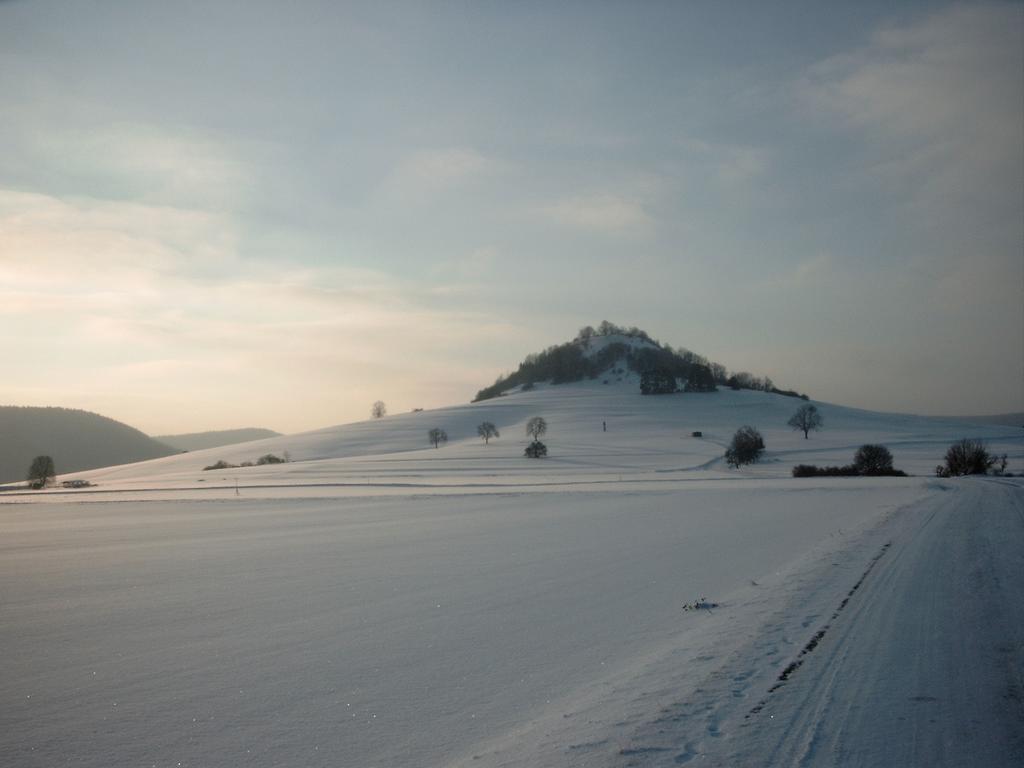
595	344
379	602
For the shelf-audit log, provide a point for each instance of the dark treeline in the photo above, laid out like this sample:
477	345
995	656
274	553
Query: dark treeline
655	362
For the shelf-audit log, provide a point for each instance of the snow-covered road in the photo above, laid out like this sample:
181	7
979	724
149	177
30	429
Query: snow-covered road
920	663
925	666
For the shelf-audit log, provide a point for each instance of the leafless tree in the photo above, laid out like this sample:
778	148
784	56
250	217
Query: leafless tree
536	427
378	410
437	436
487	430
805	419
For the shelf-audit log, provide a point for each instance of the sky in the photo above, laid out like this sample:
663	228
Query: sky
227	214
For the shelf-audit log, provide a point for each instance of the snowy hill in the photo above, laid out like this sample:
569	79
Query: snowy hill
196	441
607	353
377	601
648	440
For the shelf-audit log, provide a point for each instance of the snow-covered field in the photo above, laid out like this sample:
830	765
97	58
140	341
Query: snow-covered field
379	602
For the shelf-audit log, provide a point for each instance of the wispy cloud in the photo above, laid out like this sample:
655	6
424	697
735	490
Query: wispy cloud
428	172
154	300
602	213
731	165
939	103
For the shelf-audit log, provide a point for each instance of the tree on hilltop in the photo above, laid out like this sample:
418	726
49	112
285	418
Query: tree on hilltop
536	427
487	430
806	419
379	410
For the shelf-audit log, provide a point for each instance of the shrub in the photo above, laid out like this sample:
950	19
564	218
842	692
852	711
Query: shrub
745	448
220	465
872	460
810	470
966	457
869	461
536	450
269	459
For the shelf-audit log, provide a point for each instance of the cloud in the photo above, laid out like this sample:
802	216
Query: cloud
938	103
74	243
731	165
602	213
427	172
143	306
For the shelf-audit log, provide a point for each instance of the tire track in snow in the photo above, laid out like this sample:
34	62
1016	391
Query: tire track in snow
925	666
817	637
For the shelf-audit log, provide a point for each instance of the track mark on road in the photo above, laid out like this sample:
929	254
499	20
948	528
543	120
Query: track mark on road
816	639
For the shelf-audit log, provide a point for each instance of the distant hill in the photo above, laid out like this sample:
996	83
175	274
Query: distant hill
1005	419
196	441
614	350
75	439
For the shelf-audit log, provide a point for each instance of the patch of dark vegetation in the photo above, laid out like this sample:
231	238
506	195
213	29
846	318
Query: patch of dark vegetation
268	458
869	461
664	366
746	447
810	470
744	380
220	465
700	604
970	457
570	362
658	381
627	752
536	450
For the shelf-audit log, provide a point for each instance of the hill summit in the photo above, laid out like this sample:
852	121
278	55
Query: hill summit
75	439
595	352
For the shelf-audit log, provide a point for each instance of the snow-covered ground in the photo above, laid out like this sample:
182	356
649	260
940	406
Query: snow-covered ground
379	602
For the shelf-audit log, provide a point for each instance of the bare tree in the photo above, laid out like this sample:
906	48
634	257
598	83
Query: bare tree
806	419
536	427
487	430
378	410
41	473
437	436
